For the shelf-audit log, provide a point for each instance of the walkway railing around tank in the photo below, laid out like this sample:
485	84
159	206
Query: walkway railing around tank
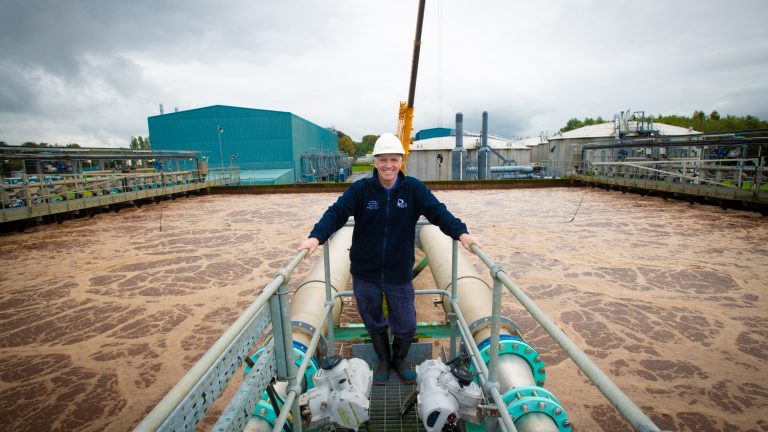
39	195
732	179
186	404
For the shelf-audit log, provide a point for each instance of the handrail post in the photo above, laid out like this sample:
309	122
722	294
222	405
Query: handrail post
493	350
277	335
285	317
454	291
328	296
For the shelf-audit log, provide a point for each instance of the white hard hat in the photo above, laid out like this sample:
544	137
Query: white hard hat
388	144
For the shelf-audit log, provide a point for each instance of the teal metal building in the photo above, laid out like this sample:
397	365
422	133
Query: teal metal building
266	145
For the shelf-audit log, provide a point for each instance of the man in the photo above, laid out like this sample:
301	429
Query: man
386	208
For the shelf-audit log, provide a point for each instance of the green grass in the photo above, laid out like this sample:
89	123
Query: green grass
361	168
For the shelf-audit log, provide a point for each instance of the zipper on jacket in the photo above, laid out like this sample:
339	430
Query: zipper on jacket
384	246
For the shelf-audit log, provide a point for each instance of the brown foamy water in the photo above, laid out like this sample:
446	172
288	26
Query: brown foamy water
100	317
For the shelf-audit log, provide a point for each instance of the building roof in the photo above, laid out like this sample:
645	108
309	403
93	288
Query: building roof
607	130
434	133
533	141
471	142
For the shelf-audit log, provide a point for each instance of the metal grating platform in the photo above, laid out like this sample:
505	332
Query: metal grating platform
386	400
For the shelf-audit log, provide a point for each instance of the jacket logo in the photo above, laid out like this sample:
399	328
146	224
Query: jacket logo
372	205
401	203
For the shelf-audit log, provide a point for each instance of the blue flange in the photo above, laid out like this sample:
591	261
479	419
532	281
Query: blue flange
299	351
513	345
265	410
533	399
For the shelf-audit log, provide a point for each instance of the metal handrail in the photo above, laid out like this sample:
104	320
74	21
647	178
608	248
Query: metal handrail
625	406
168	404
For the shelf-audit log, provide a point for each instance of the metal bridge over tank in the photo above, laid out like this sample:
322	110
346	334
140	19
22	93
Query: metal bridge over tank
284	357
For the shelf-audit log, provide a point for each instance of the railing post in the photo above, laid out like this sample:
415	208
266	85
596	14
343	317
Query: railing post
277	335
495	319
290	364
493	349
328	296
454	300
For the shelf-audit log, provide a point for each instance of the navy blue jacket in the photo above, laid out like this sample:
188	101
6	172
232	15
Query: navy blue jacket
384	234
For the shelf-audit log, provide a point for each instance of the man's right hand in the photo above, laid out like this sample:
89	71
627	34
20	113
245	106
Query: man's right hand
310	244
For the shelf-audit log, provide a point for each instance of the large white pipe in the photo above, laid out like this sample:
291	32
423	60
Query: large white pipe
535	422
473	294
309	299
475	298
514	371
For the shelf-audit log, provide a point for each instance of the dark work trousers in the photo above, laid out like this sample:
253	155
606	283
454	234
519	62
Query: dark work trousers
400	307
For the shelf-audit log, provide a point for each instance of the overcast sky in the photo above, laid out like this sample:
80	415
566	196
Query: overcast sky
91	72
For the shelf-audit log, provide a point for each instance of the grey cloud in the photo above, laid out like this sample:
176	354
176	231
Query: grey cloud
99	68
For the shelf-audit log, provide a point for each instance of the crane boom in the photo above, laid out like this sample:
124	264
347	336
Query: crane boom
405	116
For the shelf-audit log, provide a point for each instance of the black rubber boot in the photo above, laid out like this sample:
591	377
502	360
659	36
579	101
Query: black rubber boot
380	342
400	347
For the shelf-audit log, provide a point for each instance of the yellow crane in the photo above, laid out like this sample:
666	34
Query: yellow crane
405	116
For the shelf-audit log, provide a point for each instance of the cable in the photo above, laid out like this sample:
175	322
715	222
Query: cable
273	399
577	208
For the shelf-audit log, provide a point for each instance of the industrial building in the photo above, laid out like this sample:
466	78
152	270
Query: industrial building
432	151
567	147
269	147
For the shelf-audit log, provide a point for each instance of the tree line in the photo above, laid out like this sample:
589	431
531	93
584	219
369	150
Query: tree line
137	143
699	121
354	148
42	144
